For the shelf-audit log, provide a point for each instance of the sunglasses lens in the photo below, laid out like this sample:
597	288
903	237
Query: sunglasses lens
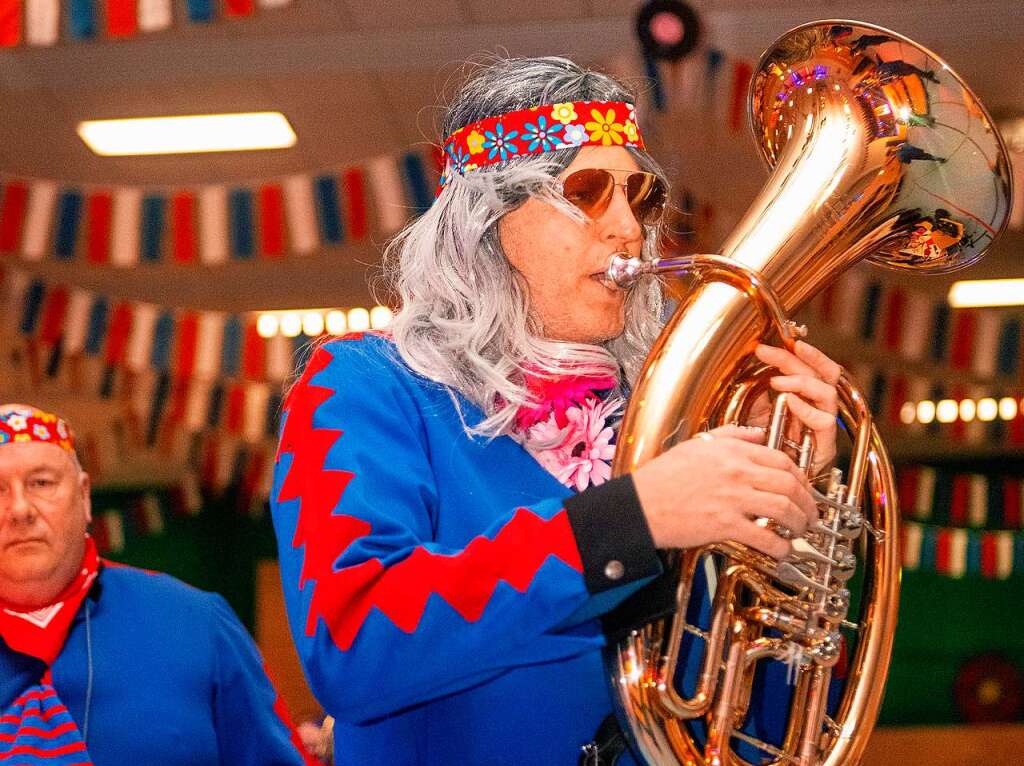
647	195
590	190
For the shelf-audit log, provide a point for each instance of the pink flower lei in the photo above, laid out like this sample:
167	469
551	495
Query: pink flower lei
567	430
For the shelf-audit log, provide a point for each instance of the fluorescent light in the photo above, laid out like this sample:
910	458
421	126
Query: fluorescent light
188	134
267	325
358	319
1007	408
987	409
312	324
336	323
291	324
968	409
380	317
986	292
946	411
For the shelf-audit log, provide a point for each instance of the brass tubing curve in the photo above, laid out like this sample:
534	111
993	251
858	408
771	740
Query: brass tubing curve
710	267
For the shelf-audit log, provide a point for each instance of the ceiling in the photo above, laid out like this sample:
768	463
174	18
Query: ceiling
358	79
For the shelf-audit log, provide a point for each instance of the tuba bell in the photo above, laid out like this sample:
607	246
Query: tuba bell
877	150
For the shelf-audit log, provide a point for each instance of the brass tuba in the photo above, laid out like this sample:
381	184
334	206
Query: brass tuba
878	150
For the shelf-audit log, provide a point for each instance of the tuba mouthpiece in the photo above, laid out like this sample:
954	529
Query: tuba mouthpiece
624	270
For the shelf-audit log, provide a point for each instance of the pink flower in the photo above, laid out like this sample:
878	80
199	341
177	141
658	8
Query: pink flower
578	453
557	395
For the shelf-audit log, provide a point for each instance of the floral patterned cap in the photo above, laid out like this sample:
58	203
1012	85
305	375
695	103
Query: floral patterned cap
537	130
21	423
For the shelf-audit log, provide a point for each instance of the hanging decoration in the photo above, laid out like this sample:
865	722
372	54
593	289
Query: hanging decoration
192	369
958	552
989	688
961	499
145	513
226	446
699	78
65	324
178	371
42	23
125	226
226	466
982	343
668	30
912	405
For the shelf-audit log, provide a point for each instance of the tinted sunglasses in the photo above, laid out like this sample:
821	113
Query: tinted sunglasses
591	191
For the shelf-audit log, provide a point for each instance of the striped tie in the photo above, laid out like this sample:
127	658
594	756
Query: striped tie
36	730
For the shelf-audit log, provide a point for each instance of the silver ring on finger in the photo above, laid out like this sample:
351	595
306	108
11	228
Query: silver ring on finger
704	435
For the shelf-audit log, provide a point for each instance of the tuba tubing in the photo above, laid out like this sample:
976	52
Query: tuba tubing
850	120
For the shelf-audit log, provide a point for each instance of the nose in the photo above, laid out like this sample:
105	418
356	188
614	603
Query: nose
15	505
618	223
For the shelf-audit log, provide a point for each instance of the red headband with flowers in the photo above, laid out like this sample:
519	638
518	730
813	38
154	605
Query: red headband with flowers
540	129
27	424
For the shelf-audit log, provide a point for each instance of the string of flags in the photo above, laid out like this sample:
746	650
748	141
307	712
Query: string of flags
71	326
125	226
46	22
143	514
700	80
226	466
894	396
982	343
936	495
960	524
958	552
190	369
220	458
178	371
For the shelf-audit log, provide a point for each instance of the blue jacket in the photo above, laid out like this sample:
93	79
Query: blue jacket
175	678
442	591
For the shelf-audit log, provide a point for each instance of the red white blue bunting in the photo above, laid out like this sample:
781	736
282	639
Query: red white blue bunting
710	80
211	225
46	22
936	495
984	344
226	466
178	371
144	514
961	524
889	388
185	369
958	553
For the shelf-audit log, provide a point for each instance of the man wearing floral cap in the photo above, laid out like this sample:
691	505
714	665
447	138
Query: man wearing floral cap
108	665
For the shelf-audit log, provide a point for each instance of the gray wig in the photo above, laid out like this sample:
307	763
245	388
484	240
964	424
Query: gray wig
465	319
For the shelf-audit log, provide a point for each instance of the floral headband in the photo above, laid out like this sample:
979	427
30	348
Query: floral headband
27	424
537	130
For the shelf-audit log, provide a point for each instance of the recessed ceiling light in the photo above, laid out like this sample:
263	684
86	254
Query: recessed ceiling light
978	293
188	134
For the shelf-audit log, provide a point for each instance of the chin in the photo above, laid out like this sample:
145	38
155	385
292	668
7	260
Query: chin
26	575
599	332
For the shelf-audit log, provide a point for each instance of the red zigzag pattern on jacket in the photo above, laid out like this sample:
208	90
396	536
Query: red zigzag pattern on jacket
344	598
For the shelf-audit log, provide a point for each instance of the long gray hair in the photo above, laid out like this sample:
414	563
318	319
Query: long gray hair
465	318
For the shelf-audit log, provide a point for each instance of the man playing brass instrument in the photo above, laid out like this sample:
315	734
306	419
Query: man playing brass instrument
449	533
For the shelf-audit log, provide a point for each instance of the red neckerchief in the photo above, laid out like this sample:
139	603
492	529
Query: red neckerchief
41	633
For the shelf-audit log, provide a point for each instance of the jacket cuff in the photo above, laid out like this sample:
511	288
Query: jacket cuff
612	535
654	601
